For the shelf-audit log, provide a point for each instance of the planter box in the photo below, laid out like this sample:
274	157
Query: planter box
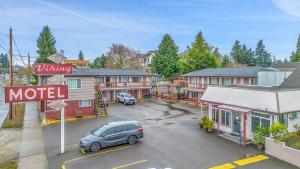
282	152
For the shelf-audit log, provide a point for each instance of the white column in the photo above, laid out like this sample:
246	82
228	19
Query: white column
62	127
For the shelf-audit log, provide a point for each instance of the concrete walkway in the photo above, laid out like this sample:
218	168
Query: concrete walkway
32	151
4	108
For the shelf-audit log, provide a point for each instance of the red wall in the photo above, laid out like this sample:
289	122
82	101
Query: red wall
70	110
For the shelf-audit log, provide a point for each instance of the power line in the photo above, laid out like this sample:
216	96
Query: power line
18	51
4	48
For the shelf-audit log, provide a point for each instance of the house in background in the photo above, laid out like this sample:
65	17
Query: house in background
198	81
146	59
85	83
238	110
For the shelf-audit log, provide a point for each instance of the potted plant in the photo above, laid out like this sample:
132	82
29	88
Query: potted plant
210	126
203	122
259	136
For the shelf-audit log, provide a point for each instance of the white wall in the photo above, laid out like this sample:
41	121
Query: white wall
272	78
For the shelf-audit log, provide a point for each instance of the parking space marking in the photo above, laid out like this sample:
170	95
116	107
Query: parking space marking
250	160
130	164
224	166
91	155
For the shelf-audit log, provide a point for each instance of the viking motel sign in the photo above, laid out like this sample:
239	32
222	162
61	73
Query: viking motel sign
52	68
35	93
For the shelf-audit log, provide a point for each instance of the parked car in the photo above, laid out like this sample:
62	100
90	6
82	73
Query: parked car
111	134
125	98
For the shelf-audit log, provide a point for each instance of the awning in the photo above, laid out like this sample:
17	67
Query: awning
239	109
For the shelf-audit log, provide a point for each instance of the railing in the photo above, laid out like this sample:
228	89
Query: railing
122	84
197	85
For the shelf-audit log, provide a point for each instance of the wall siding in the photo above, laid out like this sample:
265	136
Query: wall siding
87	90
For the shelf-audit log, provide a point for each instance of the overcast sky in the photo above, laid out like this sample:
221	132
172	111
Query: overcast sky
95	24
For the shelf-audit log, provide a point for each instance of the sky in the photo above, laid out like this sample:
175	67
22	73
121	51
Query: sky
92	26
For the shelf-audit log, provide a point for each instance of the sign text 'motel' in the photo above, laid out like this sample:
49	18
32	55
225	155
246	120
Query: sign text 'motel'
51	68
35	93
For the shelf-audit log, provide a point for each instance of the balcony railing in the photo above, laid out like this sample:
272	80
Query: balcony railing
197	86
122	84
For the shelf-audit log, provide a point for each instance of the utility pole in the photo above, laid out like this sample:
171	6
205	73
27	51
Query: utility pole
10	71
28	70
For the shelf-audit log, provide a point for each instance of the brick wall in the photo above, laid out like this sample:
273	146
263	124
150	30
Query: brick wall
71	110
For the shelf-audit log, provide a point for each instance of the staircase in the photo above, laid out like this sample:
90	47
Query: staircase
235	138
100	104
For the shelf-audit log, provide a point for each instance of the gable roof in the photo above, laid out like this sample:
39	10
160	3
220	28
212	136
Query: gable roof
108	72
263	99
293	81
227	72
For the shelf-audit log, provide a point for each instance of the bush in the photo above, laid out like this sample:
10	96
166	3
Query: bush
278	129
210	124
297	129
259	135
204	121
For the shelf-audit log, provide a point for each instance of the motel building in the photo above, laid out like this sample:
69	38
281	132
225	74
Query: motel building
84	84
198	81
238	110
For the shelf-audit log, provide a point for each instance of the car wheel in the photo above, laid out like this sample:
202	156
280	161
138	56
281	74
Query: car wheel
132	140
95	147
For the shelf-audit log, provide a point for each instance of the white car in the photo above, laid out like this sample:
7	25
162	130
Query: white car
125	98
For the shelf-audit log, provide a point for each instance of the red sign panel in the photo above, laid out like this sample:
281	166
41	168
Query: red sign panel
51	68
35	93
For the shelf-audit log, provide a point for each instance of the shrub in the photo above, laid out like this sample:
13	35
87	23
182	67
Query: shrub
297	129
259	135
210	124
277	129
204	121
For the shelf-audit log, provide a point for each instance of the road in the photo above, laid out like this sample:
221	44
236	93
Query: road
172	139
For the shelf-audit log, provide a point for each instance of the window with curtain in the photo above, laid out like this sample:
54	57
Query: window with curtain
226	118
213	81
74	83
259	119
228	81
84	103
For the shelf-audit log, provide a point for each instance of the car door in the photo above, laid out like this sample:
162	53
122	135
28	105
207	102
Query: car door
122	134
109	137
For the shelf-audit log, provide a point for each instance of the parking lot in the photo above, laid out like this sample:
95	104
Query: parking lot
172	139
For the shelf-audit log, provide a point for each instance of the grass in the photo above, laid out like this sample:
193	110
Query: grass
9	165
293	141
17	121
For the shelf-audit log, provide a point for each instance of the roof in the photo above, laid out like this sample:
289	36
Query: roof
286	66
107	72
227	72
273	100
293	81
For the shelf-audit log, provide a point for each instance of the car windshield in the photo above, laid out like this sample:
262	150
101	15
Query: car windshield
127	95
97	131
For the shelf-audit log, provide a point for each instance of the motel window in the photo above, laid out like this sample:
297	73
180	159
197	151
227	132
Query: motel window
215	115
293	115
135	79
253	81
192	79
226	117
228	81
283	118
213	81
258	119
84	103
194	95
123	78
100	79
74	83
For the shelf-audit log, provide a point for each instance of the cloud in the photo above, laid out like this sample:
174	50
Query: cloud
291	7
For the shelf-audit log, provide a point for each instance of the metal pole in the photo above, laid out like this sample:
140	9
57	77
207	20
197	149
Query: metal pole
62	127
10	70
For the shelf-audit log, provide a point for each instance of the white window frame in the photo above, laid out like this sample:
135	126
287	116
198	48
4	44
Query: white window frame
100	81
193	94
215	115
260	117
76	83
215	78
230	120
90	103
138	78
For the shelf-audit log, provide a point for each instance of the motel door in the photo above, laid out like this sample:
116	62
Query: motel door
236	122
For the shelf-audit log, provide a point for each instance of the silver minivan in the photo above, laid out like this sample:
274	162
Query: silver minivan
111	134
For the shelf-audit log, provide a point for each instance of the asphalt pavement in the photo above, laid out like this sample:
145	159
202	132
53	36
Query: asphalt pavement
172	139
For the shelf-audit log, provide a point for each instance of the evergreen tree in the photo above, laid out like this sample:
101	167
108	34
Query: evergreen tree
241	54
263	58
4	62
99	62
250	57
236	52
165	59
225	61
295	57
199	56
46	45
80	55
217	55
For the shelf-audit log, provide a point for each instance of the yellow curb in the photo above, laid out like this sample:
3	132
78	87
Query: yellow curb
250	160
49	122
82	151
63	167
224	166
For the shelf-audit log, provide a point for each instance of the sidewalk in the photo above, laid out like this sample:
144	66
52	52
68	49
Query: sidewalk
4	108
32	151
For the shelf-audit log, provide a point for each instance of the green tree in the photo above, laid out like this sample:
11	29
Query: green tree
99	62
4	62
225	61
80	55
236	52
262	57
295	57
46	45
199	56
165	59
